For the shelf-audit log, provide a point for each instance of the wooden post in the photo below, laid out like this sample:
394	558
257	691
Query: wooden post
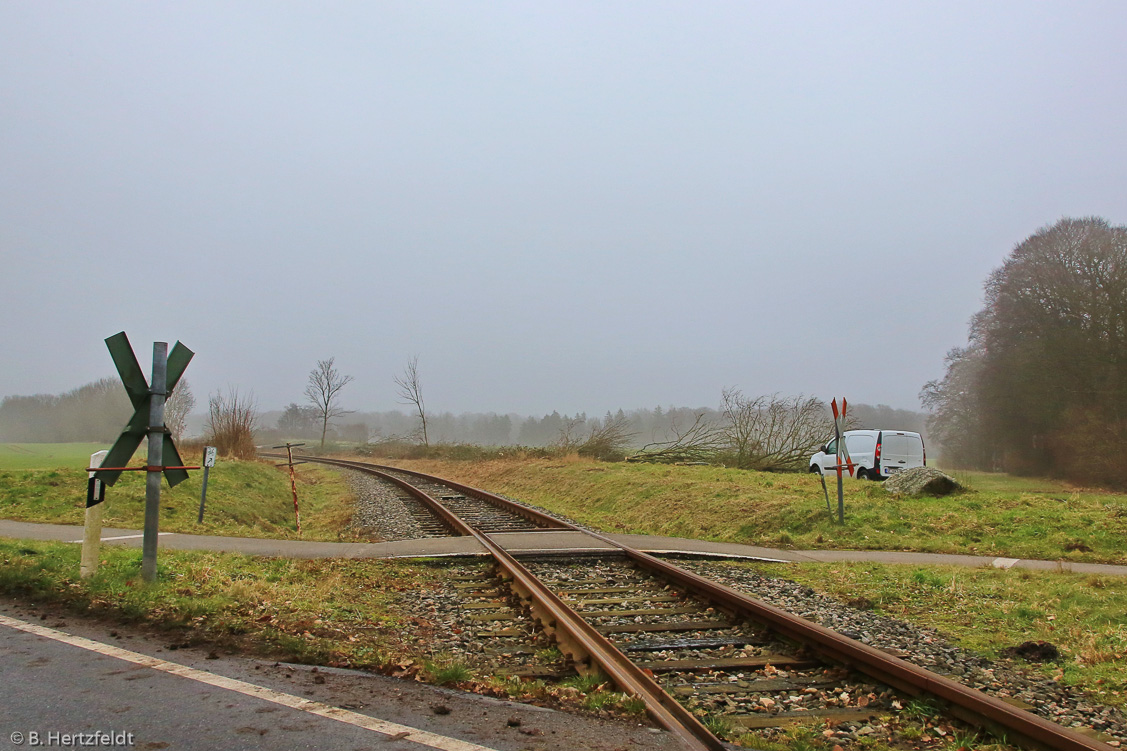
293	487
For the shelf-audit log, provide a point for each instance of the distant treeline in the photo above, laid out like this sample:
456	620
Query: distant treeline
490	429
94	412
99	410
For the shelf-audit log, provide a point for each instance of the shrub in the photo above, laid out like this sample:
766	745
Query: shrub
232	418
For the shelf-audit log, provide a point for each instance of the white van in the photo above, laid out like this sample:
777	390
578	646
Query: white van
876	454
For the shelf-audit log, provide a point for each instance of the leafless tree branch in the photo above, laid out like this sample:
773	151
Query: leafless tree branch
410	390
699	443
323	392
609	440
772	432
177	408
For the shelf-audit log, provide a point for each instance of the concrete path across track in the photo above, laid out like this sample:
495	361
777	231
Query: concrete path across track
532	542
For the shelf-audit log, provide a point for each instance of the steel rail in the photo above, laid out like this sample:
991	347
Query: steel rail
587	648
967	703
533	515
582	639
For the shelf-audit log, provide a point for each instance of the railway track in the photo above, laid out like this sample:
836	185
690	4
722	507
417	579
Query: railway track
703	657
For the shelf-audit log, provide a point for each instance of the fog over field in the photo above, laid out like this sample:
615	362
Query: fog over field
567	206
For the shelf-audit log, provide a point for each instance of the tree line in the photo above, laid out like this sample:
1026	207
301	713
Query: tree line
512	429
770	432
95	412
1041	385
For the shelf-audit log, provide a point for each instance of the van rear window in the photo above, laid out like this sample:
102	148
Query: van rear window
860	444
894	445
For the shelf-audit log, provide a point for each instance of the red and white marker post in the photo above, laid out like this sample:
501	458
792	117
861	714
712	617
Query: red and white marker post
842	455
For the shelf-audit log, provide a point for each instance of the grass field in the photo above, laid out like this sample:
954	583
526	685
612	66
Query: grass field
1000	516
46	483
47	455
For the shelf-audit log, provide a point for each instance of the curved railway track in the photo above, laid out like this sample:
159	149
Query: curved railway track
678	640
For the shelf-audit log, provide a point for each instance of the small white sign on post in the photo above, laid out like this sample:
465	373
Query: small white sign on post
92	534
208	462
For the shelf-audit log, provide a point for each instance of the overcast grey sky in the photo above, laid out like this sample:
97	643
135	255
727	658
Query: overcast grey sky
571	205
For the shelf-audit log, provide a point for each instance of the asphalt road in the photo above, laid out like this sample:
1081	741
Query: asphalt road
531	542
167	698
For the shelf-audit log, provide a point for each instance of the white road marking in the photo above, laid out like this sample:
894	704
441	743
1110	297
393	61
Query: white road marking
1006	563
127	537
398	732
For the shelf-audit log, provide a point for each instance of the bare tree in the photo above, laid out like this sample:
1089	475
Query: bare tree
410	391
177	408
609	440
772	432
232	419
568	439
323	392
701	442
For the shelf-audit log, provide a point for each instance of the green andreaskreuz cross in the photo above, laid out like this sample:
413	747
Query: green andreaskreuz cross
141	397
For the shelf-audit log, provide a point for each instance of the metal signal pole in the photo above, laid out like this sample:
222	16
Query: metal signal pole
157	387
147	420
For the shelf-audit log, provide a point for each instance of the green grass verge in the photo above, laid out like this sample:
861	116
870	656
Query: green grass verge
988	610
1001	516
336	612
325	611
244	499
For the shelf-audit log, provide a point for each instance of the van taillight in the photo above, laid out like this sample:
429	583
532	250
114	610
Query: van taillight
876	456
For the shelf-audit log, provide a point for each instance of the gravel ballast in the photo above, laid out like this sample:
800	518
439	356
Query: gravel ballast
1005	678
381	511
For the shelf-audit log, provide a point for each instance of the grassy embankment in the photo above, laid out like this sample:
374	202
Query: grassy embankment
46	483
1000	516
987	610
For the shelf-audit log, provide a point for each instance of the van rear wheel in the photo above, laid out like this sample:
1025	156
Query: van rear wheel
862	474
